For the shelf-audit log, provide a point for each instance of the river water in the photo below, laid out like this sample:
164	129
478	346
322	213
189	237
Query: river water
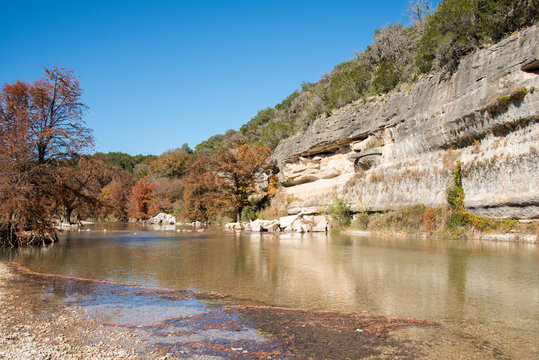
485	295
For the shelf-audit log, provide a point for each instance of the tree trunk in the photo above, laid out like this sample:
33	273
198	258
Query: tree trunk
238	214
67	209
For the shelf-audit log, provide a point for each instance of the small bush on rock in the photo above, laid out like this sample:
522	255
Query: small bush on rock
340	212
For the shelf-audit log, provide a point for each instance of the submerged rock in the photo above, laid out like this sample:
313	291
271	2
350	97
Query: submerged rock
233	226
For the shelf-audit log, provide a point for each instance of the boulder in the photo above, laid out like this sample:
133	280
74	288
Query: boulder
321	224
270	225
162	219
273	227
255	226
302	226
286	221
233	226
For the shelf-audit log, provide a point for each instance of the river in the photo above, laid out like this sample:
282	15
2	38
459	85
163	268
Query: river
485	295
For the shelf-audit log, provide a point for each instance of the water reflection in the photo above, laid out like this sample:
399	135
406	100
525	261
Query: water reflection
429	279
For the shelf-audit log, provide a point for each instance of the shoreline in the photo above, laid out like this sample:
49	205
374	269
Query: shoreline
33	328
507	237
135	322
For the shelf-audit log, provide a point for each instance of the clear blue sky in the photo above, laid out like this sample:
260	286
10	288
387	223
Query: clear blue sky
157	74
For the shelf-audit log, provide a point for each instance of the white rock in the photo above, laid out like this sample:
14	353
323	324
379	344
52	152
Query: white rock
321	224
162	219
255	226
232	226
270	225
286	221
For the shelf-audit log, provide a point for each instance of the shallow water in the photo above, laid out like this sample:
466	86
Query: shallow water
484	294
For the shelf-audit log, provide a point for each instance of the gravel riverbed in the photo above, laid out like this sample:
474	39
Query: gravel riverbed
55	317
33	327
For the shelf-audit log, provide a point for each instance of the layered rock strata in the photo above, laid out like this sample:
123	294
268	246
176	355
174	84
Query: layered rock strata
401	149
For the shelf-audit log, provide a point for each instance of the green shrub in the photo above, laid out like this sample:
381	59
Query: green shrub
340	212
385	77
274	132
455	192
361	222
347	86
455	200
248	213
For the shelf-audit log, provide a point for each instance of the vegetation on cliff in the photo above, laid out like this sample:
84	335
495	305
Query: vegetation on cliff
434	41
451	220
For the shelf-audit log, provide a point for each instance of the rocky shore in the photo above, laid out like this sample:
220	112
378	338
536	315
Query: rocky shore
32	327
53	317
299	223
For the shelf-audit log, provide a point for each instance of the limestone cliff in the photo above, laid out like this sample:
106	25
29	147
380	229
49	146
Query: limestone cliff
400	149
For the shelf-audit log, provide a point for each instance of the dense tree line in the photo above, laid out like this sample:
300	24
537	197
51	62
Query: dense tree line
434	41
48	179
195	187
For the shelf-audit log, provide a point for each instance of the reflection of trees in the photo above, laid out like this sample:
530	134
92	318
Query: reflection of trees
400	277
456	272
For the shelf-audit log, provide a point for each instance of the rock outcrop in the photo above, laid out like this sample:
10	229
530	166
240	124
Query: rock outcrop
297	223
161	219
401	149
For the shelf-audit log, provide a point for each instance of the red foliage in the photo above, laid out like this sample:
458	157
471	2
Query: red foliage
202	196
41	127
238	172
117	194
143	199
223	183
81	180
429	219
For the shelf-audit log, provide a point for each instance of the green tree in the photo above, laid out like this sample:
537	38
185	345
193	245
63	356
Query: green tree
209	147
455	199
273	133
262	117
347	86
385	77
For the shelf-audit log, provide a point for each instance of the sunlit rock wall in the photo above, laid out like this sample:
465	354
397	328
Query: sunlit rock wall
401	149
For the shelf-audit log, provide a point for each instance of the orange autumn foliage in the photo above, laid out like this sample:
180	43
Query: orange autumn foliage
143	199
238	173
224	183
41	127
202	196
116	195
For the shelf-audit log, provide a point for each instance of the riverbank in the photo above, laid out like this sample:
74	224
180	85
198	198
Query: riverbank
52	317
37	327
507	237
441	222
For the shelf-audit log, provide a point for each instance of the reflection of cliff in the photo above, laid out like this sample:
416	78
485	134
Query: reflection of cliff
396	277
401	149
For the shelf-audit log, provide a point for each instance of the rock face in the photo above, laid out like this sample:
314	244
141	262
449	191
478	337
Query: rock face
400	149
